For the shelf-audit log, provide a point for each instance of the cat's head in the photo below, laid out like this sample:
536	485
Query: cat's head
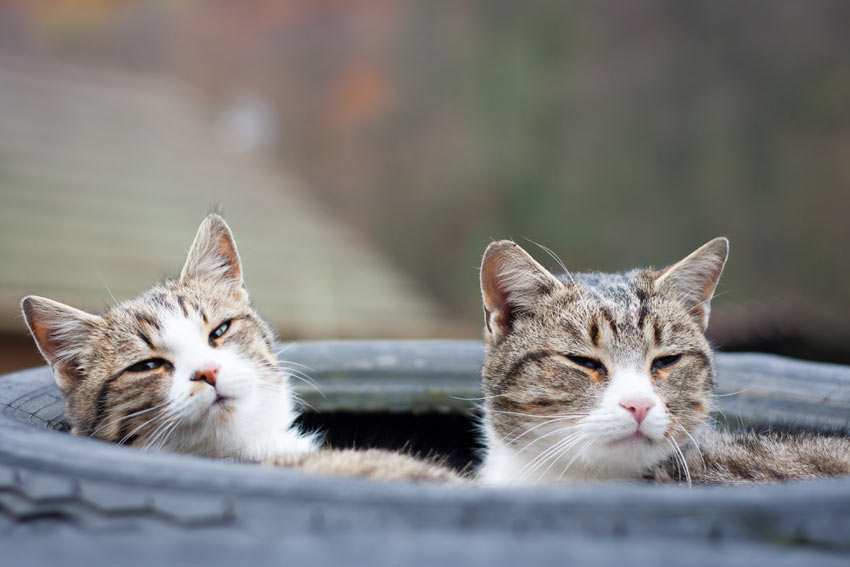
595	375
184	366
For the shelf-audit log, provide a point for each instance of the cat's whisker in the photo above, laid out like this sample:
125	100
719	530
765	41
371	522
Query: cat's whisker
557	431
719	410
109	291
696	446
682	457
301	376
554	257
284	348
301	403
482	398
543	456
733	393
295	373
157	433
286	362
309	383
509	439
540	416
699	305
576	456
287	368
124	417
294	396
167	433
172	417
153	433
561	449
169	414
552	454
677	461
512	440
289	373
138	428
292	366
546	453
296	399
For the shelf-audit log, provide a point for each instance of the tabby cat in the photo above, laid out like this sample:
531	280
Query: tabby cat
190	367
610	376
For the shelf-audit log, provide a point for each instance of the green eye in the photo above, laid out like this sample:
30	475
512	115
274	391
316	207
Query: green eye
665	361
149	365
589	363
219	332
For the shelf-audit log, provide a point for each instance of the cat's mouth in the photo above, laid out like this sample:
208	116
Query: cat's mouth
634	438
221	400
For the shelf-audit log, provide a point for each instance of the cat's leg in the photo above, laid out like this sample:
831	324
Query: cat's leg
372	463
749	457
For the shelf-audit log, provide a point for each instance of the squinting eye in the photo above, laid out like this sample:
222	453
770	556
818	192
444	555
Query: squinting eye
149	364
219	332
589	363
665	361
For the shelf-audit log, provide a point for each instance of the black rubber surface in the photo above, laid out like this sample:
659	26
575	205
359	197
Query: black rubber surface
75	501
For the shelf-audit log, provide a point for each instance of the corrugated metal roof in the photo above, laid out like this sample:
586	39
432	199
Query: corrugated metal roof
105	177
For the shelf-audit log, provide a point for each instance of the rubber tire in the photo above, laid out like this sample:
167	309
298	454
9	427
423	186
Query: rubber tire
77	501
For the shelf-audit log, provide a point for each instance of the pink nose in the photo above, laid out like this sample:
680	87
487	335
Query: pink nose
208	374
638	406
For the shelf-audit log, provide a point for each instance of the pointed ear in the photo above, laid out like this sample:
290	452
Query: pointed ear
60	332
694	279
511	282
213	257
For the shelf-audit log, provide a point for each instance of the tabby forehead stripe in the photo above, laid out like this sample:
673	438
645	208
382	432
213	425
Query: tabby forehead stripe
594	333
644	309
147	320
606	314
657	333
181	301
145	338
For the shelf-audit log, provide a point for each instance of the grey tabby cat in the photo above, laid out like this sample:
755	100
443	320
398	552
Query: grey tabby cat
189	366
609	376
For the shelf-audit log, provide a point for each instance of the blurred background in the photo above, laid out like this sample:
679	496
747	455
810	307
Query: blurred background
365	153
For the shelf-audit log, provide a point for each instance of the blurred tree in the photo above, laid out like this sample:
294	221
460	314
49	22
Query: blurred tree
615	133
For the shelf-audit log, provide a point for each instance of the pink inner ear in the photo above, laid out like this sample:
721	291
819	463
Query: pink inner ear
43	336
225	249
64	366
495	294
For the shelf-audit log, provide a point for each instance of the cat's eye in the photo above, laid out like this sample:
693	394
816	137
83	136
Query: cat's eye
587	362
219	331
663	362
149	365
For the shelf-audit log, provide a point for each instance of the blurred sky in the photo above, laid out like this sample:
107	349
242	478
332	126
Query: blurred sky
615	133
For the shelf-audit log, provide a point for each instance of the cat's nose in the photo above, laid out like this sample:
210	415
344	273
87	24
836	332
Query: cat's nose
208	374
638	406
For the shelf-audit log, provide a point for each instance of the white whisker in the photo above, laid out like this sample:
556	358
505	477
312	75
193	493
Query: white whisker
682	457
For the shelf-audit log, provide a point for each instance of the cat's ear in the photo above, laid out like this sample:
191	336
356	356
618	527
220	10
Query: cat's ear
694	279
60	332
213	257
511	282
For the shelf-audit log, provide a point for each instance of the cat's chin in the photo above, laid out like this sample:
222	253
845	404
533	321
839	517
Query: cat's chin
223	402
636	438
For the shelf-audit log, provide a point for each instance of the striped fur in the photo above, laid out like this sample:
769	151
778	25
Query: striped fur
246	413
609	376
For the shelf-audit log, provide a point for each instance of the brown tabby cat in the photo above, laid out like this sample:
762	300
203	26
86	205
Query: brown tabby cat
189	366
610	376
